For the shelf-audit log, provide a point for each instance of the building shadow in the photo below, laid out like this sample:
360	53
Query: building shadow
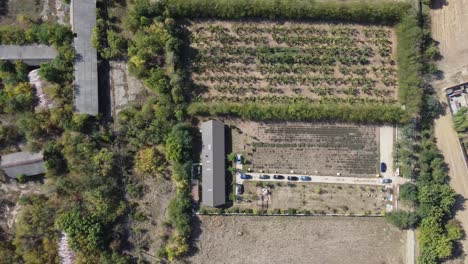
104	90
3	8
196	233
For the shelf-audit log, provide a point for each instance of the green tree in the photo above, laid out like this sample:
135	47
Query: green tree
409	193
179	144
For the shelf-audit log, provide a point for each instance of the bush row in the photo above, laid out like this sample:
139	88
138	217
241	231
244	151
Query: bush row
410	66
289	211
374	12
178	151
364	113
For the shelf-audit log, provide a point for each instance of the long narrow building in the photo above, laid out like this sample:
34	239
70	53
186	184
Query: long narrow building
213	164
83	20
32	55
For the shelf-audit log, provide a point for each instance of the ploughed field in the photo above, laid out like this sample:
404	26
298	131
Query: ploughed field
315	148
282	62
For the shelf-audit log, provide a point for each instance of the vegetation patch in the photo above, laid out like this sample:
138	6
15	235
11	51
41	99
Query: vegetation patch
268	62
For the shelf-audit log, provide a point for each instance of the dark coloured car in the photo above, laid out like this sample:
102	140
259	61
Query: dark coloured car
306	178
278	177
293	178
383	167
386	180
264	177
246	176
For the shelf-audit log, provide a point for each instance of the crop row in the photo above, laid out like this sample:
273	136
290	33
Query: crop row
284	99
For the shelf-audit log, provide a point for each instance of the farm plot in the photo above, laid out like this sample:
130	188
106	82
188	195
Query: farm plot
315	148
291	62
315	198
278	240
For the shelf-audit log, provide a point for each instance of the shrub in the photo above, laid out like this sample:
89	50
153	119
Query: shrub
149	161
402	219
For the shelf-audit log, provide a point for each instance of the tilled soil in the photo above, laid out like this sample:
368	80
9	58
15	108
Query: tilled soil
234	239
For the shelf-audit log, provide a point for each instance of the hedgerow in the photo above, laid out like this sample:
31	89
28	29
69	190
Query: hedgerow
361	113
373	12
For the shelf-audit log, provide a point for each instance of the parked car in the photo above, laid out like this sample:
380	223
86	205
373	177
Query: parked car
383	167
386	180
264	177
239	189
245	176
239	158
306	178
293	178
278	177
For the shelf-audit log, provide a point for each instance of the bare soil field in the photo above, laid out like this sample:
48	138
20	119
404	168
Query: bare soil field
277	61
147	231
323	149
279	240
318	198
450	29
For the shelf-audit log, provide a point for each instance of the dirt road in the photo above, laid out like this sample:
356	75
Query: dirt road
450	29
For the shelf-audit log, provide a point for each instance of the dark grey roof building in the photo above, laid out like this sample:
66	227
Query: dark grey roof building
83	20
22	163
32	55
213	164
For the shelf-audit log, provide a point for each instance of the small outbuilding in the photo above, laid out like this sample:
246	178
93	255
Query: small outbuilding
23	163
213	164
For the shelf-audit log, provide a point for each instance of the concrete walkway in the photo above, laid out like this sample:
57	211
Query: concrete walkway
386	142
328	179
410	247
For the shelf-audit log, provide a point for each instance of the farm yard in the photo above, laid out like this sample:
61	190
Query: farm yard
317	148
282	62
331	240
315	198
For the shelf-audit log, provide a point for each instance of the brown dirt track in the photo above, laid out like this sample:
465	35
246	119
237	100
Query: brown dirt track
450	28
275	240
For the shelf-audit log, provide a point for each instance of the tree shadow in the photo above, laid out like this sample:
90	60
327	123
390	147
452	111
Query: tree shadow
459	203
438	4
196	232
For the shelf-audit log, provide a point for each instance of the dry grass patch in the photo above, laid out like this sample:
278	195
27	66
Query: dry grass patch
279	240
